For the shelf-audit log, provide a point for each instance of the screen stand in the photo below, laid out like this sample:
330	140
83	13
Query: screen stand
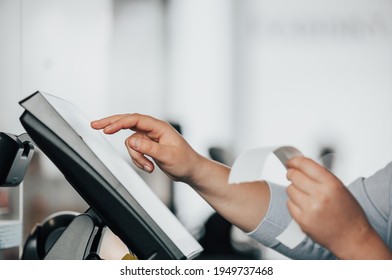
80	240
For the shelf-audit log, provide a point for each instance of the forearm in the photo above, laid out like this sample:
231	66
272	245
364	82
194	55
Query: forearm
244	205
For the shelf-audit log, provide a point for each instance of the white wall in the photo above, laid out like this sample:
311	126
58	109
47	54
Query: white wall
66	48
138	58
61	47
10	66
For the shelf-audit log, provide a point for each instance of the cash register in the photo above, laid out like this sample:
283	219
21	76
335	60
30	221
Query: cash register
118	198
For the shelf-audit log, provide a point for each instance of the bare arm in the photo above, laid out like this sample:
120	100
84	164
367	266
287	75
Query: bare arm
244	205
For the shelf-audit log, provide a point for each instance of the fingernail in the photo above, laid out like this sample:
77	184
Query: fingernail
147	168
107	129
136	143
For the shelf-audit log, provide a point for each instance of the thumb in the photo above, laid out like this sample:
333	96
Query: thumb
144	145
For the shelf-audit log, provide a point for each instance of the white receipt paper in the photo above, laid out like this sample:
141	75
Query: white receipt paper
248	167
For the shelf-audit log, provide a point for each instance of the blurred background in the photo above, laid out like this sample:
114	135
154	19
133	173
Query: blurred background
231	74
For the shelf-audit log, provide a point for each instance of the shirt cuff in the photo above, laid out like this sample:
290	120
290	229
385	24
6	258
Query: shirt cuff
276	219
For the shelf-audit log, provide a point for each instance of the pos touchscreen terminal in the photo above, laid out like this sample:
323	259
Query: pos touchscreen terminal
109	185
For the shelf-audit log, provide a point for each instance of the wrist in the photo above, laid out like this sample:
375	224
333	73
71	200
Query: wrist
196	169
207	174
364	244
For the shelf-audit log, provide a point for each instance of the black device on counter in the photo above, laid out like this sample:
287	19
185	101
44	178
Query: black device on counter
118	197
16	152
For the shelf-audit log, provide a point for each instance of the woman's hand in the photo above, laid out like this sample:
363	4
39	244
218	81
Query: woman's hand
328	212
156	139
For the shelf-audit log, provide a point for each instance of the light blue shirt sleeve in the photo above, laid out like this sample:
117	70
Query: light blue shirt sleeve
375	196
373	193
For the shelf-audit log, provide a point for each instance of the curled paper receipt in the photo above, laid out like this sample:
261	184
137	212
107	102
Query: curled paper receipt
248	167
